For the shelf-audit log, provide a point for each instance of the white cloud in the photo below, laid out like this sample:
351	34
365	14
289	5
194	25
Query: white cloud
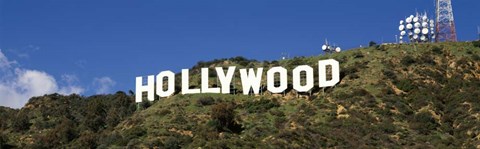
4	62
67	90
70	78
103	85
35	83
72	87
18	87
24	52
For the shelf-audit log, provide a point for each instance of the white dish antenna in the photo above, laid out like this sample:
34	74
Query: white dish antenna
417	25
402	33
425	31
424	24
324	47
408	20
415	19
401	27
423	38
338	49
401	21
425	18
415	36
417	31
409	26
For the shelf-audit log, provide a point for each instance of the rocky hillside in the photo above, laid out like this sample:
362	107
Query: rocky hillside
389	96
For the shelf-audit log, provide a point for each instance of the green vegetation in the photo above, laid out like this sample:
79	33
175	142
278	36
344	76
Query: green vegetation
390	96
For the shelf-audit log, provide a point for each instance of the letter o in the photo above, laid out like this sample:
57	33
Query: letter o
271	79
297	78
170	85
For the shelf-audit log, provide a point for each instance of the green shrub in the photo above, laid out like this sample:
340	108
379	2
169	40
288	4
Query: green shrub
261	105
437	50
223	118
205	101
172	143
405	85
423	122
134	132
476	43
407	60
21	122
358	54
426	58
389	74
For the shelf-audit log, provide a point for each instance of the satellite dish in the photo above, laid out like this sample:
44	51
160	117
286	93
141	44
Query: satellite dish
409	26
324	47
432	22
338	49
401	21
415	36
424	24
417	25
329	47
432	25
425	31
411	16
424	18
415	19
416	31
410	33
408	20
401	27
423	38
403	33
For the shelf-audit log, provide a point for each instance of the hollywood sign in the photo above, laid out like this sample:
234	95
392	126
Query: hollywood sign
250	79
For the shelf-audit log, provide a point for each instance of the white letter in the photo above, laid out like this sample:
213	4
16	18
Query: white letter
149	88
322	74
225	80
271	79
185	84
251	80
170	86
205	88
297	78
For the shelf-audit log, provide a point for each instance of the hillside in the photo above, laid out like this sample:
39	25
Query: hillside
389	96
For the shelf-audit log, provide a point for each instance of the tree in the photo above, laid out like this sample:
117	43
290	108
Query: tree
223	117
372	43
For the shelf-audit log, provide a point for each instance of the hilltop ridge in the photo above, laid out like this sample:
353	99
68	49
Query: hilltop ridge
389	96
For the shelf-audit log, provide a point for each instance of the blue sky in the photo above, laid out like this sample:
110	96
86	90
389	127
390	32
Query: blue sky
93	46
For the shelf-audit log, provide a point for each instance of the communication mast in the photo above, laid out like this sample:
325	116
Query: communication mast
445	27
330	49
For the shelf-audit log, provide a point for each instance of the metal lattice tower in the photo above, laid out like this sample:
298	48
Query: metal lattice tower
445	28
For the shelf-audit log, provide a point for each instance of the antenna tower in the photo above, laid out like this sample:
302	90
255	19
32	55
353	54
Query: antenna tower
327	48
445	28
478	32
